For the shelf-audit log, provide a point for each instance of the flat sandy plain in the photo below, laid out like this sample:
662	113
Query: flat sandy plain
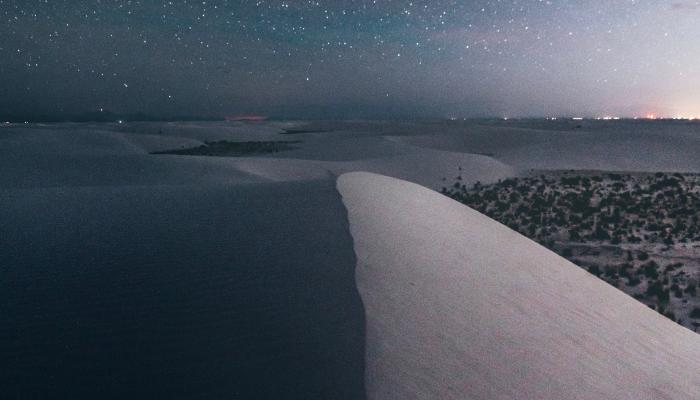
281	271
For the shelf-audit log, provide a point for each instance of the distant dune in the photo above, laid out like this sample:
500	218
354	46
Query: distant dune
619	146
461	307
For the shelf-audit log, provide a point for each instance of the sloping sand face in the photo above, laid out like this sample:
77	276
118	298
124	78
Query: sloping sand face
458	306
207	292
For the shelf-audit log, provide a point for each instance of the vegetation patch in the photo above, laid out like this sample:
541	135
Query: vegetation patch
300	131
234	149
638	232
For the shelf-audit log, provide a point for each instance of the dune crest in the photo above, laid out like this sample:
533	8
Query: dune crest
459	306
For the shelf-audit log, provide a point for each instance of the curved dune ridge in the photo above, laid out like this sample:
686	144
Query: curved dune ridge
458	306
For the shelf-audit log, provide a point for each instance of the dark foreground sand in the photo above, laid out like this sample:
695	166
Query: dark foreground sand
179	292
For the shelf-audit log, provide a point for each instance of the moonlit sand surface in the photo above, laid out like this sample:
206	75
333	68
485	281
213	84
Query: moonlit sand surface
125	274
461	307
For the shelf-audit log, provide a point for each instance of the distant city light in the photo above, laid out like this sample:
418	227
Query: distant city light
686	118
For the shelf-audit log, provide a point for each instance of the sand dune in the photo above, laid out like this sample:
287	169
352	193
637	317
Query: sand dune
118	155
427	167
243	292
459	306
435	169
127	274
22	171
621	146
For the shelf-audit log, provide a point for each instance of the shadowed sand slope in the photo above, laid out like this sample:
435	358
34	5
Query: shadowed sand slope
207	292
461	307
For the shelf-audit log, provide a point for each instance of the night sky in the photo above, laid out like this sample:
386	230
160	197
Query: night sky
351	59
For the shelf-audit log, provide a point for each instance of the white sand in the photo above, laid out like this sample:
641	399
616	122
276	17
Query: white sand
461	307
69	155
431	168
457	305
621	146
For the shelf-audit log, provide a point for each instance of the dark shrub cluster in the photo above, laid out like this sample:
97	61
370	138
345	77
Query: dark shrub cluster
595	219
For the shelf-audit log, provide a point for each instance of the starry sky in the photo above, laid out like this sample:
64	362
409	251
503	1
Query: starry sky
351	58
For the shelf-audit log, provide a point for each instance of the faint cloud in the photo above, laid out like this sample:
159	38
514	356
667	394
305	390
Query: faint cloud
685	5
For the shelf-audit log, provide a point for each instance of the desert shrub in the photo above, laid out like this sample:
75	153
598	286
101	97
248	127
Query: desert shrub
650	270
570	181
633	239
623	270
657	290
594	269
633	281
600	233
670	315
225	148
671	267
677	292
574	235
610	271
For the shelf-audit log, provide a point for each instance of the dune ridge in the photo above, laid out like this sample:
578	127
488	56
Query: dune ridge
458	306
